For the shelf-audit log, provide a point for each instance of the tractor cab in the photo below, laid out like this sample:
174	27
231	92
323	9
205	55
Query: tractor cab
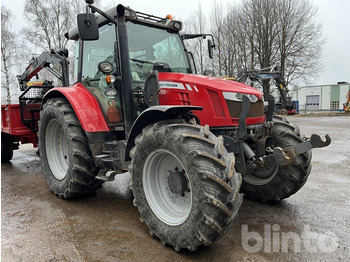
153	46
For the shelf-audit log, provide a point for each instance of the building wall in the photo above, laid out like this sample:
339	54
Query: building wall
326	93
344	89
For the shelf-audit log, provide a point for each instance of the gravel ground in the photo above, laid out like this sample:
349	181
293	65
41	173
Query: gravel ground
38	226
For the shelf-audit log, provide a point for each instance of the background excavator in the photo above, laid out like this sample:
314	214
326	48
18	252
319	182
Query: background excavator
347	103
285	104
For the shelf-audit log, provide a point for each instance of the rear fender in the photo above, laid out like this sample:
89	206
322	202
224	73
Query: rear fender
85	106
155	114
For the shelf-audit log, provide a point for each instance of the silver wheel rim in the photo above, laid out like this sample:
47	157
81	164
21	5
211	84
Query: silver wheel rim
173	209
56	147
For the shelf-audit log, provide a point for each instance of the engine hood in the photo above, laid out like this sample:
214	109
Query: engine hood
212	83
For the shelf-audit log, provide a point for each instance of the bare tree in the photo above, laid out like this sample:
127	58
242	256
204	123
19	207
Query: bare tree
259	17
196	24
48	21
299	40
262	33
9	52
216	28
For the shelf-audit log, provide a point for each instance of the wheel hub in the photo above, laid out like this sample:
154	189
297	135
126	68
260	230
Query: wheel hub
261	176
177	182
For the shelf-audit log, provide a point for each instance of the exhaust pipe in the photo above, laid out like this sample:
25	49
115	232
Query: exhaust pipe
125	70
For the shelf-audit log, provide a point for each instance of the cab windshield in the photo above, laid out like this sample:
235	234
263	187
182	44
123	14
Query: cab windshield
149	49
154	49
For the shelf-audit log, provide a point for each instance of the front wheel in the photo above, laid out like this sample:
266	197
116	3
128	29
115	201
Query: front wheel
184	184
279	182
64	151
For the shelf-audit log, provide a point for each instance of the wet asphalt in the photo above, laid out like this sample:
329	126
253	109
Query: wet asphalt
312	225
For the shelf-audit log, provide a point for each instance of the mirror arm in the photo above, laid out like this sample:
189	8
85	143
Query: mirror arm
191	36
111	19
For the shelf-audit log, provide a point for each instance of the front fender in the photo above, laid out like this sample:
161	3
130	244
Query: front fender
152	115
85	106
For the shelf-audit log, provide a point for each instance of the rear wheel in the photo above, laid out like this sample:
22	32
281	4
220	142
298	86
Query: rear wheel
64	151
6	148
279	182
184	184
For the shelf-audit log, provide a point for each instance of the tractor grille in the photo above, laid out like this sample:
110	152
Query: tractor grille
235	107
184	98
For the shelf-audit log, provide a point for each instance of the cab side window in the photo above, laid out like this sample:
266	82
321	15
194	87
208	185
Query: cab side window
96	52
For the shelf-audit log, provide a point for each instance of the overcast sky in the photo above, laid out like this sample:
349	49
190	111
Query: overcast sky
333	14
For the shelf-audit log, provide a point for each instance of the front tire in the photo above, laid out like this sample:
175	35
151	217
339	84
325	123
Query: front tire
279	182
64	151
6	148
184	184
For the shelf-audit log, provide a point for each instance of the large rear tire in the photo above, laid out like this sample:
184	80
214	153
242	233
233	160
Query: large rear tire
64	151
6	148
184	184
279	182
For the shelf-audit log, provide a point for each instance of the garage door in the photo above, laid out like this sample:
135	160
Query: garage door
313	102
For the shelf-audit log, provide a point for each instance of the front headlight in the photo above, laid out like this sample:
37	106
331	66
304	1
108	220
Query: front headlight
239	96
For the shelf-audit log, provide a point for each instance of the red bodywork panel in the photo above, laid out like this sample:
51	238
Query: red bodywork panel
83	102
85	106
176	89
204	91
11	123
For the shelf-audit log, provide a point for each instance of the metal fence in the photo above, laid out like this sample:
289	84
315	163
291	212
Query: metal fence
304	110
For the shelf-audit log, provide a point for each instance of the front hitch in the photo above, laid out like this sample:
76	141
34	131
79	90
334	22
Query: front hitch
246	159
287	156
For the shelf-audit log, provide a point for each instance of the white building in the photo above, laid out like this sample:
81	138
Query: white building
322	97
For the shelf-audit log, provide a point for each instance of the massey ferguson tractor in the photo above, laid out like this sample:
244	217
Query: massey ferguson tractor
192	143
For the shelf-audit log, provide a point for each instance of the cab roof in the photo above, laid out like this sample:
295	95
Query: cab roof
137	17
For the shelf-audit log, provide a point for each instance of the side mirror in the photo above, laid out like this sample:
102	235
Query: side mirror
210	48
87	26
151	89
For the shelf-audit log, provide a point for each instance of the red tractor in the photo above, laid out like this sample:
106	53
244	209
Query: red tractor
191	142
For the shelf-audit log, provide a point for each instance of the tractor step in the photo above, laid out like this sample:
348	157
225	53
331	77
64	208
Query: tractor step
112	156
111	146
106	161
106	176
